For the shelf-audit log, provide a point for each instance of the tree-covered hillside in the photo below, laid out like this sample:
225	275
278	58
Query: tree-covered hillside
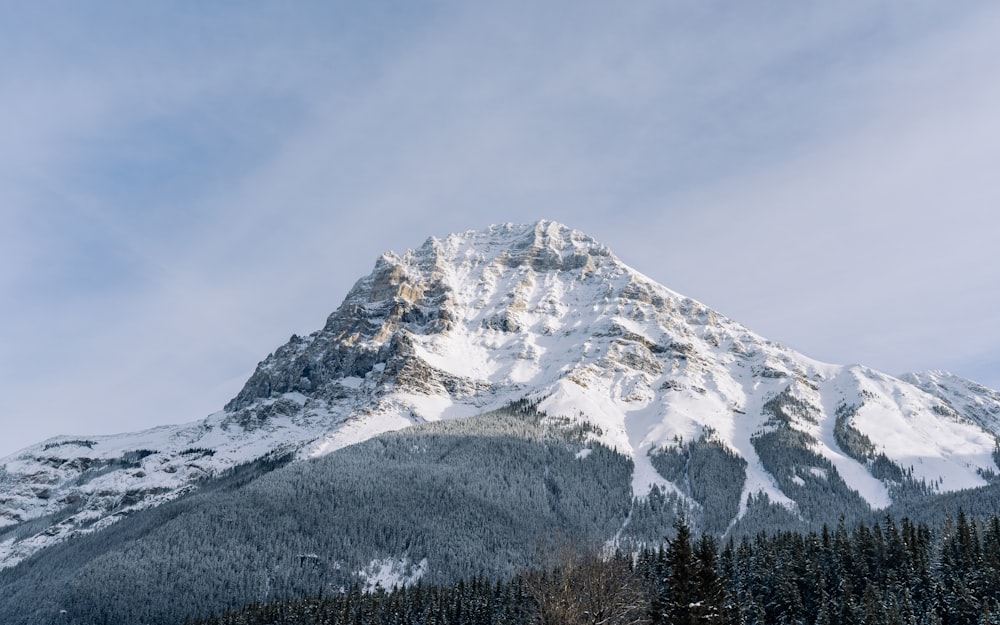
440	502
483	499
887	574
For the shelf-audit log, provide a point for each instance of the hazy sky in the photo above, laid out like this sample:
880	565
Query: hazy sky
183	185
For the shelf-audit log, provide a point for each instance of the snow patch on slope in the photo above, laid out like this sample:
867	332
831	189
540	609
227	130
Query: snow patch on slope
389	573
946	451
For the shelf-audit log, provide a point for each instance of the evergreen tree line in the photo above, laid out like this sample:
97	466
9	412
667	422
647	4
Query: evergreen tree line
905	574
885	574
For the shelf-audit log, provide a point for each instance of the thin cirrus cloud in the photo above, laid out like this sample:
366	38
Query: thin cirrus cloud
179	198
876	246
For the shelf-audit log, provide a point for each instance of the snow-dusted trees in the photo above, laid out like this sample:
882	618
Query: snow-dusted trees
690	591
708	473
887	574
479	497
472	497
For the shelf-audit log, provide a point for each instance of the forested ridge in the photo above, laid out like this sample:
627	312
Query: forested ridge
483	500
893	573
444	501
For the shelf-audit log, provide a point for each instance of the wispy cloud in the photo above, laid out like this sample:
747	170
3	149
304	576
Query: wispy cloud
184	189
875	245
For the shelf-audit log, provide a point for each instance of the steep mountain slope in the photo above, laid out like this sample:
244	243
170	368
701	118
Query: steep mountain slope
475	321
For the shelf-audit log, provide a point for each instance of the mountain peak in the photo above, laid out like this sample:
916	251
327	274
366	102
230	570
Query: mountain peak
479	320
543	245
475	320
481	277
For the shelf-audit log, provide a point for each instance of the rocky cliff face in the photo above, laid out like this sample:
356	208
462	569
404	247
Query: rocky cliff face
418	296
477	320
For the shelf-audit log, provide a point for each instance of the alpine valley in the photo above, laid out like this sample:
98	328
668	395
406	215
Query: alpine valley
469	402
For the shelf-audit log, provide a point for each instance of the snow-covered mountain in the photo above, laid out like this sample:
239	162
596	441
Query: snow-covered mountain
474	321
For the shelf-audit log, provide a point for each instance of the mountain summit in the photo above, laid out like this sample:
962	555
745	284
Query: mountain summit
547	315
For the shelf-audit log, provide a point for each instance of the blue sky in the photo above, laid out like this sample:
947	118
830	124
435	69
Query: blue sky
184	185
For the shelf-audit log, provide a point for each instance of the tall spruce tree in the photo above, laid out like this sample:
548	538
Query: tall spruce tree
692	592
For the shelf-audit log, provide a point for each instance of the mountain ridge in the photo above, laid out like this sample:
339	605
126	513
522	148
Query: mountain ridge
474	321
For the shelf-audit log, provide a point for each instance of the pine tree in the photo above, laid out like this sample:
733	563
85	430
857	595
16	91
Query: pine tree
692	593
712	593
676	594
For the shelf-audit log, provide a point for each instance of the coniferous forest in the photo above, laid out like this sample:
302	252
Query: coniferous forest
502	519
896	573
